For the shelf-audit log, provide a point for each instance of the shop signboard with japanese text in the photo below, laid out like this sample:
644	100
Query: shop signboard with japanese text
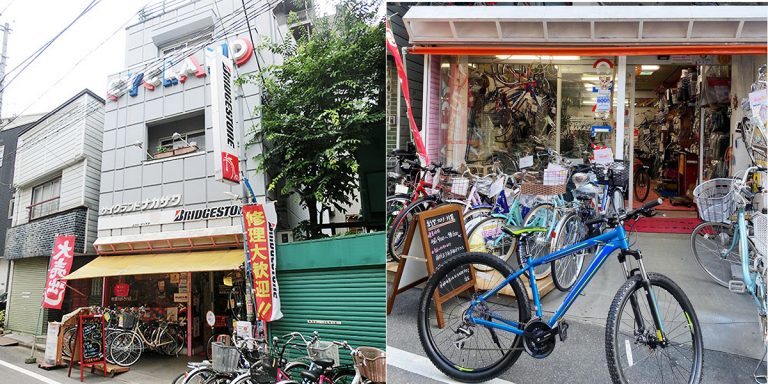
259	224
225	142
61	263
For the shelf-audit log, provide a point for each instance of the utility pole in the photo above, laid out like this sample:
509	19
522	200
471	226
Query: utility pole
3	58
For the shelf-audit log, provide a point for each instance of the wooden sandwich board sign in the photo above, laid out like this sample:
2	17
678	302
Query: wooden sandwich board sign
90	346
435	236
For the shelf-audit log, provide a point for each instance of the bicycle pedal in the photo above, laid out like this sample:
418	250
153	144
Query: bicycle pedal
737	286
562	331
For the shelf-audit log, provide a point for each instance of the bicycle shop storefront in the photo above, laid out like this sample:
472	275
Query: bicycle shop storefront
502	82
179	288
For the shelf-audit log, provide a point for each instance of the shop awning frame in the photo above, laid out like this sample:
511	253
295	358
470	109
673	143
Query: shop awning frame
587	25
148	264
640	50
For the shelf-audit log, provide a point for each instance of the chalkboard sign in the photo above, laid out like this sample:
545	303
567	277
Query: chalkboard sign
89	349
437	236
92	334
444	229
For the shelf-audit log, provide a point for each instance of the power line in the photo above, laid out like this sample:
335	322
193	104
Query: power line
6	7
30	59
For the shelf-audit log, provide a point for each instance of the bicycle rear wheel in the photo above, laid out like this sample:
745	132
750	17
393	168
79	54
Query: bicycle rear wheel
634	351
462	349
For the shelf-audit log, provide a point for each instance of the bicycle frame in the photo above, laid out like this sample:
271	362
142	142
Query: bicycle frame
608	242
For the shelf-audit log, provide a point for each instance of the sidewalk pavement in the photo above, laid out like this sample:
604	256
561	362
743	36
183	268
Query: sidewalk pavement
150	369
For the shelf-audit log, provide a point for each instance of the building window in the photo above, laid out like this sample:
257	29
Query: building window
186	43
2	153
10	208
177	136
45	199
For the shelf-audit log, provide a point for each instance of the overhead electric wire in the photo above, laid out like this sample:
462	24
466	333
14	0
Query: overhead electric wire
31	59
80	61
6	7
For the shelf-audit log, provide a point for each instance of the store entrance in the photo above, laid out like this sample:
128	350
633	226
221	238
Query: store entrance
681	132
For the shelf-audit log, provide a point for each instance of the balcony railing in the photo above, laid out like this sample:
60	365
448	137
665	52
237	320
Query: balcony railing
160	7
43	208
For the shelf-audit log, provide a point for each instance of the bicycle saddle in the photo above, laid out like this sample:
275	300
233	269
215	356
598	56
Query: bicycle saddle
580	178
520	231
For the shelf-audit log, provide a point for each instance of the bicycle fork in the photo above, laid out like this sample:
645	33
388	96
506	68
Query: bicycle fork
649	295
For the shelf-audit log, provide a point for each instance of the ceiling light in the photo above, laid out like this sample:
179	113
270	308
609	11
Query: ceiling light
590	77
649	68
534	57
646	73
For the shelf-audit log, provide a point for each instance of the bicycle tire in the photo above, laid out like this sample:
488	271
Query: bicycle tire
198	376
179	379
476	213
540	240
642	184
487	231
294	370
709	241
126	349
511	352
70	334
613	346
344	378
566	270
397	232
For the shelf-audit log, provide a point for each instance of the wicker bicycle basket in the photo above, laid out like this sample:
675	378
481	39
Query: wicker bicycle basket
541	189
225	358
372	363
715	200
324	350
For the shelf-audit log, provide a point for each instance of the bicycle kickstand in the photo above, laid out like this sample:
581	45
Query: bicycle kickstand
761	378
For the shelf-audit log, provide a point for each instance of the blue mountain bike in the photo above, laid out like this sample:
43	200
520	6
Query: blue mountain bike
475	319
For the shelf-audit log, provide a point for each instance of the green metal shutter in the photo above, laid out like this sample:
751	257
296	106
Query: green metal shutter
27	294
352	296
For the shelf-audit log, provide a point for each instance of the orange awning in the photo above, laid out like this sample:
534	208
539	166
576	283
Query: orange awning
639	50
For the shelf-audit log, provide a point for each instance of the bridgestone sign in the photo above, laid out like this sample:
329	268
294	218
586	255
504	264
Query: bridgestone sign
168	217
225	145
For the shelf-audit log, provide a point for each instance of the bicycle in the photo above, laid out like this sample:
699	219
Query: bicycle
369	363
468	338
126	347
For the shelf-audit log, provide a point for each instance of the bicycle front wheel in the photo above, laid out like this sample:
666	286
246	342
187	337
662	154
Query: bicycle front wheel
487	237
716	250
398	230
126	349
566	270
642	184
198	376
544	216
458	347
634	349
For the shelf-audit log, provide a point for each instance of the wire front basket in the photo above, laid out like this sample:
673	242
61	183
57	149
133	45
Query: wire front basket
372	363
716	200
225	358
324	350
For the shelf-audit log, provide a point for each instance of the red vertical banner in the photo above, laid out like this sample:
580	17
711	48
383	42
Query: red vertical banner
392	46
61	262
260	237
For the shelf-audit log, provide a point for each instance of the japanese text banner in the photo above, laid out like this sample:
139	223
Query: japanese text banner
260	237
61	263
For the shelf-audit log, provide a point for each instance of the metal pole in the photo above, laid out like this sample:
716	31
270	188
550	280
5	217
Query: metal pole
632	90
3	58
244	171
558	114
621	90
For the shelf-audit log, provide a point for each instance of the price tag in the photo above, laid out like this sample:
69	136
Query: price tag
401	189
526	162
603	156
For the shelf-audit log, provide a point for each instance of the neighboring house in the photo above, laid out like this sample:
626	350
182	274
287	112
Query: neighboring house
56	176
8	136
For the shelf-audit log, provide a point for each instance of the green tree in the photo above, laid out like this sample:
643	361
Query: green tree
320	104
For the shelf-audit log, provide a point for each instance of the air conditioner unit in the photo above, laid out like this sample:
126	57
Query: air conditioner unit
284	237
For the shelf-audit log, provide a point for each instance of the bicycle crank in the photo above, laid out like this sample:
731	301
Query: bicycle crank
539	338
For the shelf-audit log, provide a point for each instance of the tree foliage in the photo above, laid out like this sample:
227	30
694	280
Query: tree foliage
319	105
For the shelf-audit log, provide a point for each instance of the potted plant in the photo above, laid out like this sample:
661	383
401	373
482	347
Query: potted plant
184	150
162	152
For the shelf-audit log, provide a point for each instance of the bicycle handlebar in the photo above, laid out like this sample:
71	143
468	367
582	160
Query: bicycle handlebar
646	210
